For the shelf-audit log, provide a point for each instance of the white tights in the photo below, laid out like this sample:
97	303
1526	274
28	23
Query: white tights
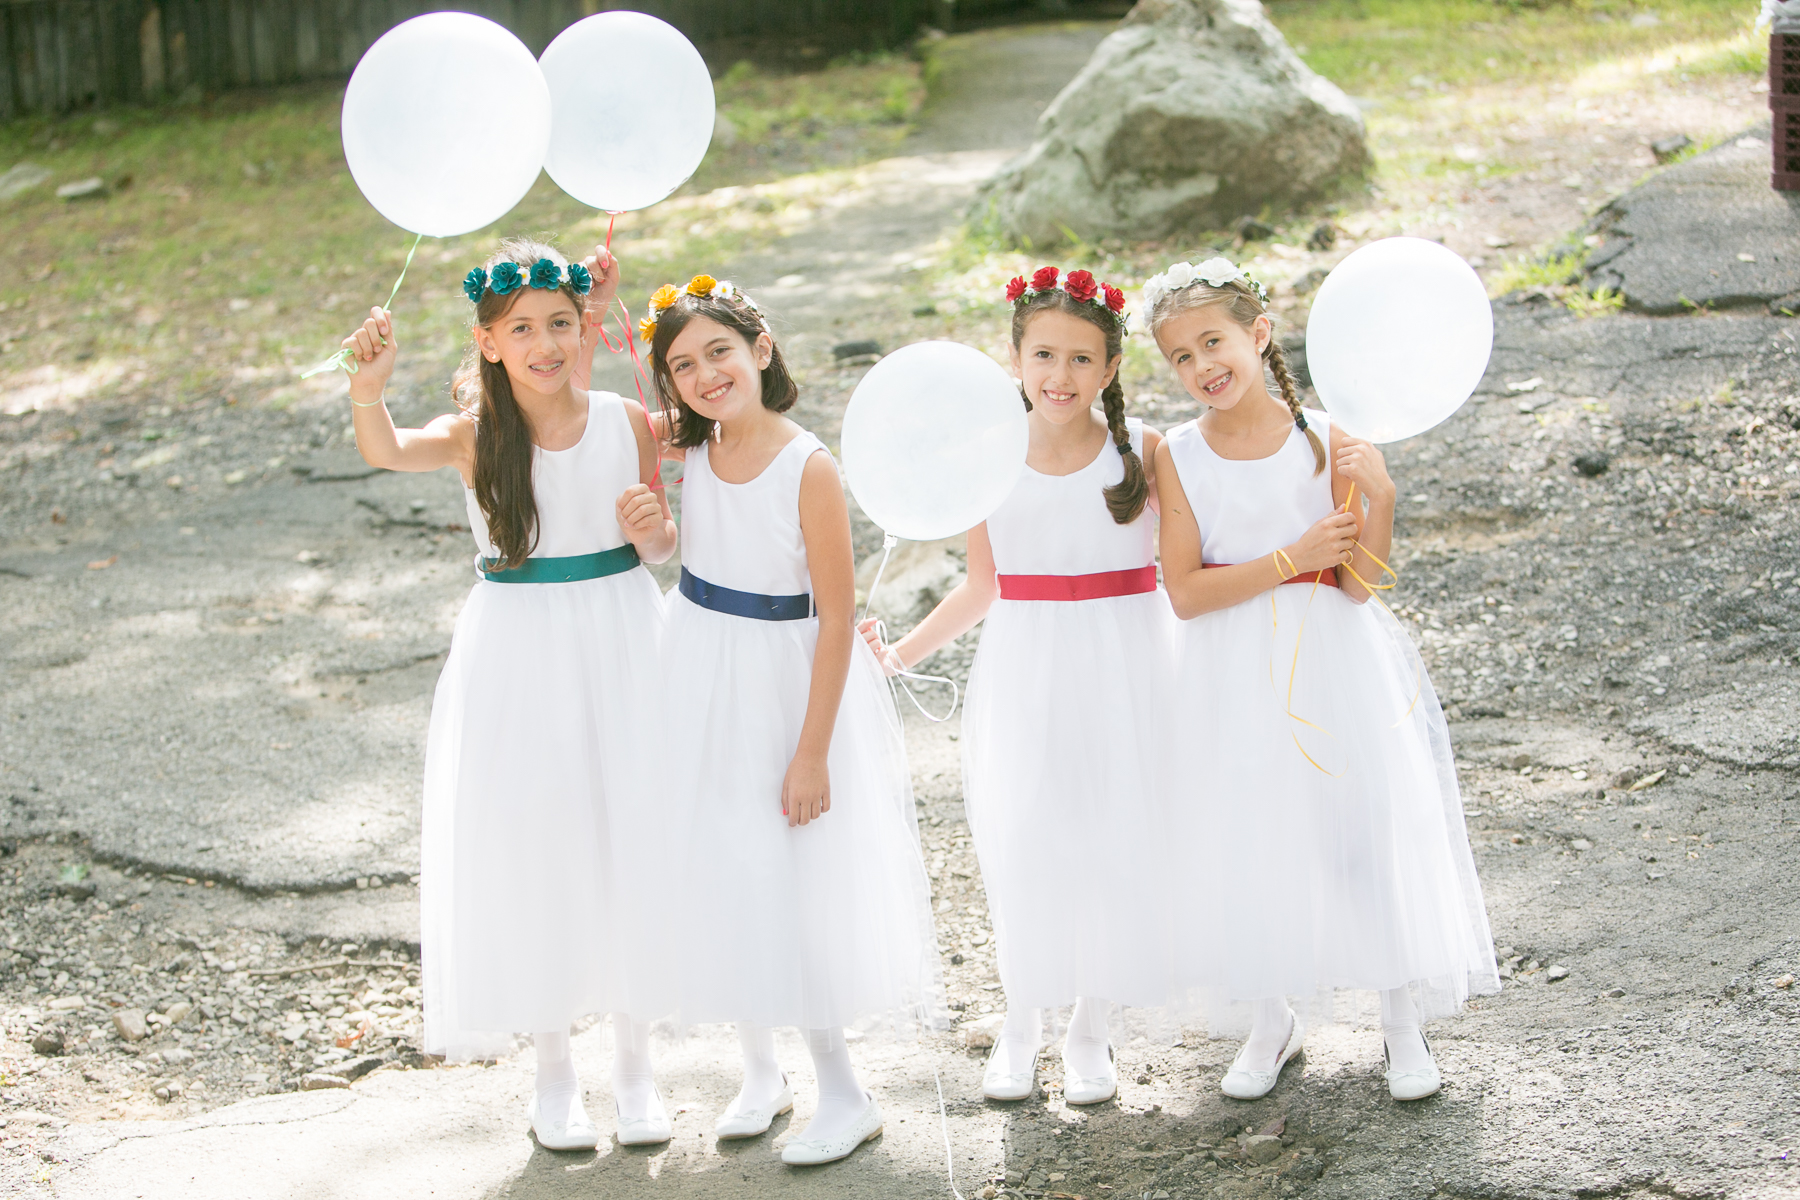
559	1090
841	1097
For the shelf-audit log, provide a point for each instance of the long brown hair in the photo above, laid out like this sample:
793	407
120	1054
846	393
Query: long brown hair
1242	306
502	434
1126	498
779	391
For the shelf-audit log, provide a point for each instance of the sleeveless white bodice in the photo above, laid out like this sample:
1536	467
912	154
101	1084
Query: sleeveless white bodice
1249	508
746	536
577	489
1060	525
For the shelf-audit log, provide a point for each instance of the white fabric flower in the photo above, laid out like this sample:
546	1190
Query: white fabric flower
1217	272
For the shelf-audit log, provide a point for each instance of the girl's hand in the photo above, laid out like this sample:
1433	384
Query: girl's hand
604	268
375	348
640	514
884	654
1361	463
1327	544
806	791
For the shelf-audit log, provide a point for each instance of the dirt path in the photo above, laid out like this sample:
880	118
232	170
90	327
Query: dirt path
238	699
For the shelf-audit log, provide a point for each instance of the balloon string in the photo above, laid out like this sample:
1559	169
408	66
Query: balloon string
901	674
627	343
346	357
1375	590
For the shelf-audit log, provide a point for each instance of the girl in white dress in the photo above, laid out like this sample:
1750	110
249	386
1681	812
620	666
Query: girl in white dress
1326	827
1069	697
540	760
801	898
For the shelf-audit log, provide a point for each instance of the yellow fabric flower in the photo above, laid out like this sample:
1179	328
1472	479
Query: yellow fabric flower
701	285
647	329
664	297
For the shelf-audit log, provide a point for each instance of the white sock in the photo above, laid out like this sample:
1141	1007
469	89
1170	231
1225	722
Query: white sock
1400	1030
1271	1024
762	1074
841	1098
1085	1049
558	1090
1017	1046
633	1081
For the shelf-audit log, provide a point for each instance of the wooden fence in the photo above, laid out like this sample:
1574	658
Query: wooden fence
58	55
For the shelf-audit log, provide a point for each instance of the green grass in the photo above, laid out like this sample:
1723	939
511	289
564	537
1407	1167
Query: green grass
1550	271
236	248
1383	45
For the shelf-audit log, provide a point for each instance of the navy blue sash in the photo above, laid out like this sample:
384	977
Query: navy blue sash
745	604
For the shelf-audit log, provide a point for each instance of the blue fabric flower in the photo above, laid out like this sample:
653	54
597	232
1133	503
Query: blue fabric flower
545	274
579	278
474	284
506	278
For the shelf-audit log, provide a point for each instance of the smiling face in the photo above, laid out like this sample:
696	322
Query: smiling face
716	371
1218	360
1062	364
537	340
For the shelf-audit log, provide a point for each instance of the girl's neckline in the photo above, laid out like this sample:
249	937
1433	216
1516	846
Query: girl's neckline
1105	441
1214	450
775	458
587	421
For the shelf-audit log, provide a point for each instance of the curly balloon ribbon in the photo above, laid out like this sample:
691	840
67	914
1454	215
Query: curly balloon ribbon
888	542
1374	591
346	357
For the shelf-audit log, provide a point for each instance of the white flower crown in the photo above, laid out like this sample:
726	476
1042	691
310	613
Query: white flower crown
1214	272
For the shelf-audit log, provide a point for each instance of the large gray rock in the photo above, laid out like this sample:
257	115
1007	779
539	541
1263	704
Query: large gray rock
1192	114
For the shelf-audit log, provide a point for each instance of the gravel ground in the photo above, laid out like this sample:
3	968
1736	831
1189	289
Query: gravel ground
221	630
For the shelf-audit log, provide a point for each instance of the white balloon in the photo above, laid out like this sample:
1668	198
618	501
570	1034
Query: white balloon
1398	339
933	440
446	121
631	110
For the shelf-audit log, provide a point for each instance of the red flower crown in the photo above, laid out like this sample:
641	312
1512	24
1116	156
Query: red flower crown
1080	285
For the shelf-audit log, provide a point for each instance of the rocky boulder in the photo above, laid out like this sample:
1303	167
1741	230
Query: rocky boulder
1192	114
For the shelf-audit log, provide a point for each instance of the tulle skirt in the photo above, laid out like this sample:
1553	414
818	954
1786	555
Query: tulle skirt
1319	813
1066	740
815	926
539	778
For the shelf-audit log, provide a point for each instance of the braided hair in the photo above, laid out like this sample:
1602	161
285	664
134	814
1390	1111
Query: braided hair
1242	306
1125	499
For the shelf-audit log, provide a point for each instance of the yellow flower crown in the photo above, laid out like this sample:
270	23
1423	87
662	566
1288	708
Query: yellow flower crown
705	286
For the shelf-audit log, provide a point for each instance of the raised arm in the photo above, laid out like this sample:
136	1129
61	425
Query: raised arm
1194	590
643	508
448	441
825	528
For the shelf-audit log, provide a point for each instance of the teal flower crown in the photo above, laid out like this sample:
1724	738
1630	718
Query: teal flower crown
507	277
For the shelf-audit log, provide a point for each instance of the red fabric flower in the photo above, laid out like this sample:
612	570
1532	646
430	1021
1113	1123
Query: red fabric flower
1081	285
1045	279
1115	299
1015	288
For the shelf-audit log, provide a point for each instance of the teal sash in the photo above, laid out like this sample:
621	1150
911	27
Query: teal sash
573	569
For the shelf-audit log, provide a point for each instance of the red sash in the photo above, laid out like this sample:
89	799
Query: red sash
1078	587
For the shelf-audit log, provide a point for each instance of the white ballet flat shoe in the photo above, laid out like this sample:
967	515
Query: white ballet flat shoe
1091	1089
651	1129
810	1152
578	1133
748	1122
1241	1083
1017	1086
1412	1085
